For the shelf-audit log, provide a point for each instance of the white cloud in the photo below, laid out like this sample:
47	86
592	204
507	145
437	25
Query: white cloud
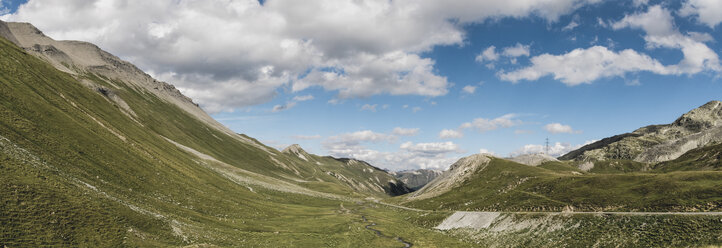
409	156
303	98
282	107
573	24
658	24
307	137
485	151
430	149
489	54
469	89
450	134
708	12
587	65
415	109
405	131
229	54
369	107
638	3
559	128
483	125
517	50
557	149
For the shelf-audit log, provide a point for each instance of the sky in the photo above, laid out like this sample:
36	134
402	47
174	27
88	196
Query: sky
410	84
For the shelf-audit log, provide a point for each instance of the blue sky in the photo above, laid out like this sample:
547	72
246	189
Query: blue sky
572	73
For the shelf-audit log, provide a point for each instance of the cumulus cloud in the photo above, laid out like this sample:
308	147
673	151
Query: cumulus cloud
489	54
708	12
229	54
469	89
555	150
409	156
485	151
559	128
282	107
369	107
405	131
517	50
292	103
303	98
483	125
587	65
450	134
307	137
658	24
573	24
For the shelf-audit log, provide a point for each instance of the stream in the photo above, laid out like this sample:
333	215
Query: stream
380	234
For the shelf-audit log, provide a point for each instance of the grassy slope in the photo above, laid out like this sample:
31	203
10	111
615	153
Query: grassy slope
508	186
704	158
67	180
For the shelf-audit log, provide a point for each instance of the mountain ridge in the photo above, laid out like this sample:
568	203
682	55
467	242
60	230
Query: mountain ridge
658	143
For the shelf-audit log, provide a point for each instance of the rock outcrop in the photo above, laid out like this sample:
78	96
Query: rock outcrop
657	143
457	173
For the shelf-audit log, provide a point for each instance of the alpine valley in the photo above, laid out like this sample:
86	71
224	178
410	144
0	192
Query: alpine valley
96	153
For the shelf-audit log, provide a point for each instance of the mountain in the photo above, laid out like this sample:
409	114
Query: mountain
533	159
658	143
94	152
703	158
415	179
457	174
356	174
486	183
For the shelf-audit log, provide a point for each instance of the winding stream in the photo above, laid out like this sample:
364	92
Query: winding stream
380	234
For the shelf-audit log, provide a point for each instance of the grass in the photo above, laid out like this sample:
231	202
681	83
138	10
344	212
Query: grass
508	186
68	180
75	170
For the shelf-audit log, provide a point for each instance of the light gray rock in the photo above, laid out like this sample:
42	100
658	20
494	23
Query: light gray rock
658	143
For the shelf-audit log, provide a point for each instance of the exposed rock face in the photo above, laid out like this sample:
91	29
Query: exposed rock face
357	174
416	179
5	33
296	149
533	159
80	58
658	143
458	173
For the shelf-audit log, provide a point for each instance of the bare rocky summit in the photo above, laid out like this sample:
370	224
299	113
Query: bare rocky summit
657	143
457	173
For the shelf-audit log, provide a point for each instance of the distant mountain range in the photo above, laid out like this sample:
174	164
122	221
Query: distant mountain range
655	168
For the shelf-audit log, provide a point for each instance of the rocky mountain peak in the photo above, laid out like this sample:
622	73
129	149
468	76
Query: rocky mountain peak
295	149
704	117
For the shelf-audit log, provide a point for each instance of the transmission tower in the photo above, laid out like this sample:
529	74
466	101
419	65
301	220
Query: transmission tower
546	147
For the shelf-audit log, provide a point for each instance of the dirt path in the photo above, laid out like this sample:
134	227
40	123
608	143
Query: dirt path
622	213
380	234
481	220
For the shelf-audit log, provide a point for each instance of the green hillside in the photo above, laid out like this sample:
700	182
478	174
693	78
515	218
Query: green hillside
77	170
504	185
